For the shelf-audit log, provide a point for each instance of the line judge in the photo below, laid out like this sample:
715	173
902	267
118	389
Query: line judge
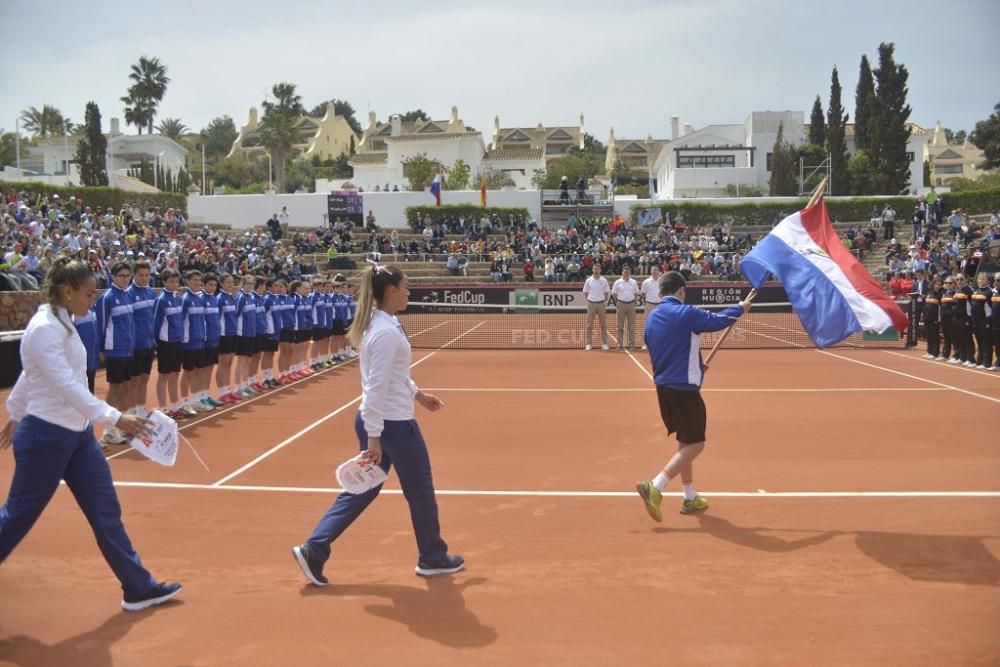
596	290
624	292
650	289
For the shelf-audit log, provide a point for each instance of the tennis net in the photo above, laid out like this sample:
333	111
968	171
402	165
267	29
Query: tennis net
493	327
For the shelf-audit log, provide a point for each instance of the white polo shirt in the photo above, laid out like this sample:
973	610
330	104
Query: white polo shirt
651	290
596	289
625	290
387	390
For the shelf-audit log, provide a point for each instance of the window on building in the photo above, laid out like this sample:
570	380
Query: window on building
949	169
705	161
767	164
909	156
555	149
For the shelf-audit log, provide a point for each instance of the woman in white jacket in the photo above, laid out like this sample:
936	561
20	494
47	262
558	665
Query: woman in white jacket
52	414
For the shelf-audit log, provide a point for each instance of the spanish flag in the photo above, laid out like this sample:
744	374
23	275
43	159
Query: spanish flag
482	192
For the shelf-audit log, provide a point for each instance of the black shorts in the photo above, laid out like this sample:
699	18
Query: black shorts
302	335
270	345
287	336
91	380
211	356
168	357
142	362
227	345
318	333
245	346
258	343
683	412
118	369
193	359
338	330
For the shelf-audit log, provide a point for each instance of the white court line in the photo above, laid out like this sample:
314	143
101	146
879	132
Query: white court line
560	390
942	364
575	494
241	404
287	441
912	377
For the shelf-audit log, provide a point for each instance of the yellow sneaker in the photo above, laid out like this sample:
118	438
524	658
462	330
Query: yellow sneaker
652	497
696	504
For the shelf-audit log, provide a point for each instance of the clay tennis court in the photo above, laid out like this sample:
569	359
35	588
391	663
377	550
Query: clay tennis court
855	519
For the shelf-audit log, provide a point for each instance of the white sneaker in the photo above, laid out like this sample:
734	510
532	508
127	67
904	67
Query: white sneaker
940	359
993	368
981	367
587	349
644	347
604	347
969	364
954	361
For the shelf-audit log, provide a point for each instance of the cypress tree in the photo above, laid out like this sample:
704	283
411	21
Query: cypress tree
783	157
817	126
889	131
91	149
836	142
864	101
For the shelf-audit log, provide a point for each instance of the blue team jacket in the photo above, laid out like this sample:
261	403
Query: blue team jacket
342	309
193	314
246	314
227	306
86	326
167	321
288	311
115	324
671	335
303	312
261	314
213	319
272	315
143	300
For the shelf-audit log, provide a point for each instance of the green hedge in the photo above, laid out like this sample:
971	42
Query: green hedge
973	201
854	209
103	197
461	209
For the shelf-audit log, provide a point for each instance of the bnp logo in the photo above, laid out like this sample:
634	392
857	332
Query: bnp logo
526	298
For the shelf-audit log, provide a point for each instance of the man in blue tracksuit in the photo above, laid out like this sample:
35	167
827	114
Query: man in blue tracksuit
143	300
116	342
672	337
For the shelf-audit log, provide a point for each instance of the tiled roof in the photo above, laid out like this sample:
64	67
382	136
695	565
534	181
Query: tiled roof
368	158
515	153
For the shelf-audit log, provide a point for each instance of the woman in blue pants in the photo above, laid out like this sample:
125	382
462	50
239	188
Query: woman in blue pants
51	427
386	430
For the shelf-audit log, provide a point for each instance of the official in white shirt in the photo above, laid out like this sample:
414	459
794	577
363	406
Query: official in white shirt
386	430
51	427
624	292
651	291
596	291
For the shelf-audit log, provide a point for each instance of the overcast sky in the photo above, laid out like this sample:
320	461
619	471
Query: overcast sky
630	65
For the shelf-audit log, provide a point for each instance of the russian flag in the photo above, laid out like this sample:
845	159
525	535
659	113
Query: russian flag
831	292
436	188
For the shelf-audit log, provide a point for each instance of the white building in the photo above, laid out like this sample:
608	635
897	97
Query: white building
385	146
48	159
703	163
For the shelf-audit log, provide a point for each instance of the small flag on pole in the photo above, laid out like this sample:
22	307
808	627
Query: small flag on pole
436	189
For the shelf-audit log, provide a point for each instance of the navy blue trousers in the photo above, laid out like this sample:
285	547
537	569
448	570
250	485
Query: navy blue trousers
44	454
402	446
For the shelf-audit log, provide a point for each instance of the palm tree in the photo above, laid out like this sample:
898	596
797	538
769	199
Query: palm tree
172	128
149	84
139	111
277	127
45	122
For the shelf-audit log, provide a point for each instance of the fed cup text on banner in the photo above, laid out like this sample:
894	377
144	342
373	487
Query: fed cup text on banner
161	445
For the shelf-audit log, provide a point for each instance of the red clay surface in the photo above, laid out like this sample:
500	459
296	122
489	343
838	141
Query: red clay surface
559	579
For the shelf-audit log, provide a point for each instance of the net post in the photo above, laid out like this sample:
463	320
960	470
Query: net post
911	327
725	334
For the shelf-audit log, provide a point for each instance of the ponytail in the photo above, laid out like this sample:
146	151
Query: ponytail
374	281
65	271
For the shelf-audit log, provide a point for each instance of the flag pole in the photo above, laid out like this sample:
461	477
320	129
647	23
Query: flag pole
816	195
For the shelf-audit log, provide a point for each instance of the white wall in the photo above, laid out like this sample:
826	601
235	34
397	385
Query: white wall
307	210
